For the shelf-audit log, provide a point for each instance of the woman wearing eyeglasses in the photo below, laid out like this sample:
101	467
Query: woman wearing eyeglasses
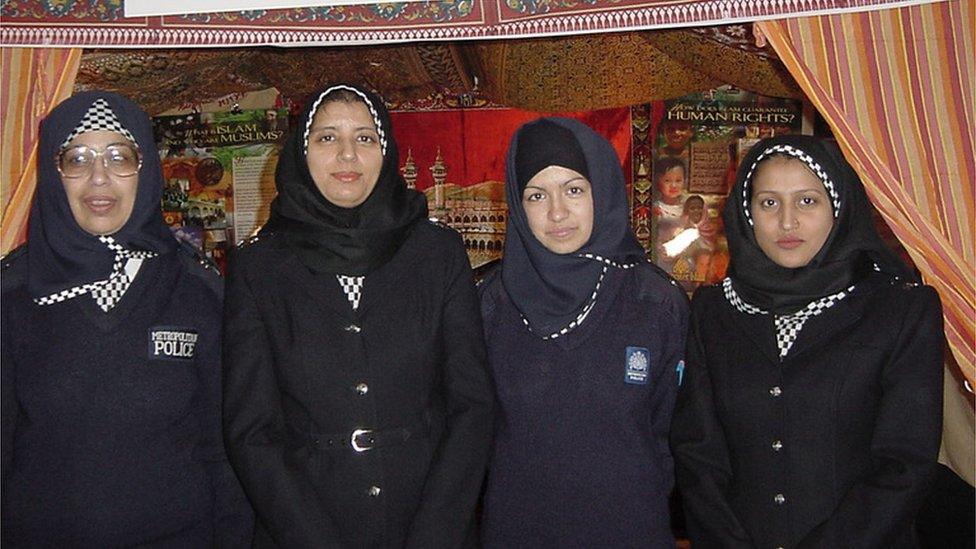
111	345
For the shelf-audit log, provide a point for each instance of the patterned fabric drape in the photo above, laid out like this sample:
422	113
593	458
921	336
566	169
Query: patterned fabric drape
896	87
33	80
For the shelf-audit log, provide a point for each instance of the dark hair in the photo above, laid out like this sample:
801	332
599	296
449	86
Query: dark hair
696	198
780	156
664	164
340	95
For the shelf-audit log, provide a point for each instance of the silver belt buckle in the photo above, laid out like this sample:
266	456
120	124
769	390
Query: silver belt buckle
355	435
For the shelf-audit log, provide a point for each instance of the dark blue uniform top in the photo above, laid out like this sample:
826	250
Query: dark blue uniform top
581	455
111	421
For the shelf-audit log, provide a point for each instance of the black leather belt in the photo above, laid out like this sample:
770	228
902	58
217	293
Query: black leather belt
361	440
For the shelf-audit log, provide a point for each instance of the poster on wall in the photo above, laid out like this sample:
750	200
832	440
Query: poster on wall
219	172
456	157
695	153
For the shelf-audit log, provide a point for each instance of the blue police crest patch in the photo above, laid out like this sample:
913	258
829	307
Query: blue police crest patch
638	365
172	342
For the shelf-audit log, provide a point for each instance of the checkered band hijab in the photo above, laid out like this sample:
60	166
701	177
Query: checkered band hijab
849	252
789	150
369	105
107	292
329	238
98	117
787	326
65	259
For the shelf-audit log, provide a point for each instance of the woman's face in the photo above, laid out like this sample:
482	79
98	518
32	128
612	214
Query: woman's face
791	211
344	154
558	203
101	201
671	184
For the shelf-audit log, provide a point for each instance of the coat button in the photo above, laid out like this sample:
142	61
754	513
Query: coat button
374	491
777	445
775	391
779	499
353	328
362	388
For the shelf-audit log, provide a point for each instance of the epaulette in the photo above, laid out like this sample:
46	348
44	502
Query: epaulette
198	257
13	277
489	292
899	282
441	224
203	268
647	290
665	275
488	272
9	259
250	240
903	284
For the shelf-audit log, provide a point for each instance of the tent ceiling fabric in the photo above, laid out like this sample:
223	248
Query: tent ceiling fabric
585	72
728	54
160	79
77	23
546	74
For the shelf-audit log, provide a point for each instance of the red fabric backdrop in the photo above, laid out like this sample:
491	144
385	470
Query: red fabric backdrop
473	143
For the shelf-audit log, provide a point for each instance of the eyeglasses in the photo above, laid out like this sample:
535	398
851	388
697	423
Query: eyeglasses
119	159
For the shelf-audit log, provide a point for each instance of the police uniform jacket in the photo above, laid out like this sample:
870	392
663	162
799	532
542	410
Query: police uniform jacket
111	420
833	446
365	428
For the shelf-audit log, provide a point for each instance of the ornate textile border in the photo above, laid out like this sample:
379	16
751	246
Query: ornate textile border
72	23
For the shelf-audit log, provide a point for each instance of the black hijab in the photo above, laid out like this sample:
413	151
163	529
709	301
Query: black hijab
549	289
327	237
851	250
62	254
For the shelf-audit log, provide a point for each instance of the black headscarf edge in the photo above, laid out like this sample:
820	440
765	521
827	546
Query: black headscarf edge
329	238
62	254
551	289
851	249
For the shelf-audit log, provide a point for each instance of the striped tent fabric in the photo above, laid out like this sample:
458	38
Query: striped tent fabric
897	88
34	81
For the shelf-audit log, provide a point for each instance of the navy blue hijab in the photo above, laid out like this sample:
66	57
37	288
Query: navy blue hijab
550	290
61	254
852	249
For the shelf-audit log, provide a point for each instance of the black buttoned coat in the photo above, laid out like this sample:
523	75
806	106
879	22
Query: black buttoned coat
303	370
834	446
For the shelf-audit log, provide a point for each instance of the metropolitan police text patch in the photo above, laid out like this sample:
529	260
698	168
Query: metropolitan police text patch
638	365
172	342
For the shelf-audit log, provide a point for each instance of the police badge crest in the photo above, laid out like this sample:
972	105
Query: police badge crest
637	366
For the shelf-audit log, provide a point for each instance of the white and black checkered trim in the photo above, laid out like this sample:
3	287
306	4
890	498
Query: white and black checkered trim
610	262
99	117
369	105
801	156
108	292
607	263
352	286
580	317
787	326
